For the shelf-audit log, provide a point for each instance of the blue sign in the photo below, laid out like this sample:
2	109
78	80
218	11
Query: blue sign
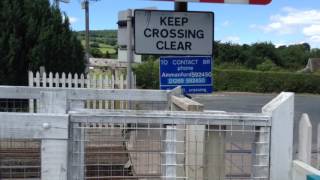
192	73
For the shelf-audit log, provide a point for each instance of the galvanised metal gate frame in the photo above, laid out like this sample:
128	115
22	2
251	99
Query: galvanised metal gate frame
61	109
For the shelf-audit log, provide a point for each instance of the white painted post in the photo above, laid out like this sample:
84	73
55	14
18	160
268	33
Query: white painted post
305	139
100	86
56	80
88	85
63	80
281	109
133	81
121	87
116	78
50	79
94	86
37	79
44	79
106	86
77	153
54	153
31	101
76	81
69	80
112	87
76	157
82	81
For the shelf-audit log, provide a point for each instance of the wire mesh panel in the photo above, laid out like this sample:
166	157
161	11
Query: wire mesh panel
19	159
150	150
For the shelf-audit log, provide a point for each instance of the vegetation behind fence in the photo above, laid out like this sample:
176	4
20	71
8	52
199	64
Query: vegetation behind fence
240	80
257	81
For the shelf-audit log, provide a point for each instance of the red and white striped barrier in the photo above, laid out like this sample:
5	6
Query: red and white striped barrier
261	2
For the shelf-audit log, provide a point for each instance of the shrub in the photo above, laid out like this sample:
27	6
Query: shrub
239	80
257	81
267	65
147	74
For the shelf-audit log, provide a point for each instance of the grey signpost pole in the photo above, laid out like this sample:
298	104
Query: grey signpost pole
86	4
129	49
181	6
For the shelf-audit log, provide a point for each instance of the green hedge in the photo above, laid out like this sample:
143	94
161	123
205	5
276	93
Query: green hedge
257	81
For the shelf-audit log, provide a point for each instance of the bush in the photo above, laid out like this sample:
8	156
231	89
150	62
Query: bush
257	81
147	74
94	45
268	65
239	80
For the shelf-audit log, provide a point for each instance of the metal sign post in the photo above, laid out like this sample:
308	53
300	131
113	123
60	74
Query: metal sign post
181	6
129	49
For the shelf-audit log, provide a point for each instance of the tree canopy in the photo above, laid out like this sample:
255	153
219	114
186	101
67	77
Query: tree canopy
257	55
34	34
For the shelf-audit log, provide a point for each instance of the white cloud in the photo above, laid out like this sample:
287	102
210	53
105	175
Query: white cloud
294	21
73	20
290	21
226	23
232	39
315	39
281	43
312	30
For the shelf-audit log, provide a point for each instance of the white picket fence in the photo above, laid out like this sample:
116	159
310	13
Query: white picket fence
67	80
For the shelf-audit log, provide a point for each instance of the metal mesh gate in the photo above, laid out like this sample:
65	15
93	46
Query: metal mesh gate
157	150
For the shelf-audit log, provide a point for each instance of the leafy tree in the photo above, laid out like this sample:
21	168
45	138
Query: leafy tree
294	56
34	34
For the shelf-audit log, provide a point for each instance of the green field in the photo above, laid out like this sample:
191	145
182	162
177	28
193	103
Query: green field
103	43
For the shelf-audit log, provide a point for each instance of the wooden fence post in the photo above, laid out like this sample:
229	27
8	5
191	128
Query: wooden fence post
54	153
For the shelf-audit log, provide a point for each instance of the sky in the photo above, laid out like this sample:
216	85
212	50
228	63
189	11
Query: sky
283	22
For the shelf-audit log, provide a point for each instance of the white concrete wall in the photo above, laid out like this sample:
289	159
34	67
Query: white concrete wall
281	109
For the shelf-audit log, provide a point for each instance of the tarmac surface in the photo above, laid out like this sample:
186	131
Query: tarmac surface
252	102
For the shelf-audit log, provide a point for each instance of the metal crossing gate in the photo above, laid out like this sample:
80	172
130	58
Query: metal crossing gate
159	146
161	135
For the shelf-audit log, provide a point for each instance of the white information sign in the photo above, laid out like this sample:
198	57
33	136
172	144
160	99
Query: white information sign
173	33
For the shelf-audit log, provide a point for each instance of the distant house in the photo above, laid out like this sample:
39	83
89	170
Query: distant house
312	66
